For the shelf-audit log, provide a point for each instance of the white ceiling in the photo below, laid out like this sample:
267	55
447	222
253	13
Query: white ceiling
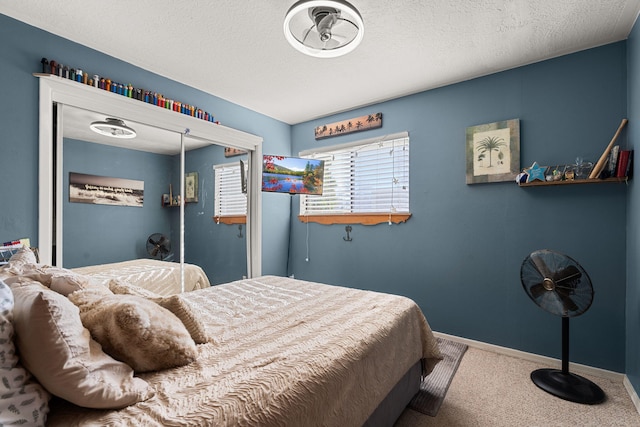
76	123
236	50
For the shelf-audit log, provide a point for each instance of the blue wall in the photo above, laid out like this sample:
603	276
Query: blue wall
459	255
201	237
99	234
632	368
20	52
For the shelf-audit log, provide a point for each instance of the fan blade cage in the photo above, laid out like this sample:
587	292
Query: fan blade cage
323	28
556	283
158	245
342	33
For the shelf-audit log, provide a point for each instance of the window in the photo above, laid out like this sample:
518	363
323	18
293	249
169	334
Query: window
365	182
230	205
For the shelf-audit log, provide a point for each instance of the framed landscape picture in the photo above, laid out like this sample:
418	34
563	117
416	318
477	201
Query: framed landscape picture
493	152
191	187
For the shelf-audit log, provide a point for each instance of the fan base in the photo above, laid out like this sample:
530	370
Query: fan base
568	386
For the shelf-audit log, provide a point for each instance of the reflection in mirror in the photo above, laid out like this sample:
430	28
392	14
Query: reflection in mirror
55	95
102	226
218	248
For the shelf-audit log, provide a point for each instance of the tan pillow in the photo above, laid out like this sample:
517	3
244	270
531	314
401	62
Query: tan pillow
59	352
135	330
189	317
121	287
174	303
23	257
61	280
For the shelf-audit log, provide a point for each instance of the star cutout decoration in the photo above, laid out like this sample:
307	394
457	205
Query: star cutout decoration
536	172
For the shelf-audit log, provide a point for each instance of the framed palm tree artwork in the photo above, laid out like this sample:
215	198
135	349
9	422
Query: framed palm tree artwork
493	152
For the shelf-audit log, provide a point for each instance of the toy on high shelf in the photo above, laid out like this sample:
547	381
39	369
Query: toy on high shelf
149	97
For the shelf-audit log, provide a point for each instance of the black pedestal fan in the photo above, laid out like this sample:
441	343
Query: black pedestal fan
158	246
559	285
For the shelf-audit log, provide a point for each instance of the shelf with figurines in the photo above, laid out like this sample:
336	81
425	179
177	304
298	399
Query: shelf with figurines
171	200
614	166
574	174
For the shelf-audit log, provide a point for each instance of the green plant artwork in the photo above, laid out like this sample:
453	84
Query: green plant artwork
493	152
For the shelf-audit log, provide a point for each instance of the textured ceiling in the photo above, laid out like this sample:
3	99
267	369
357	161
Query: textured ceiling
236	50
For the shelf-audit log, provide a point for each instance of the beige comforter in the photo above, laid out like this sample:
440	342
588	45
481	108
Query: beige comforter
286	353
161	277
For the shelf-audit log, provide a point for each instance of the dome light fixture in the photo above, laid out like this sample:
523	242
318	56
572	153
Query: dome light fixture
323	28
114	128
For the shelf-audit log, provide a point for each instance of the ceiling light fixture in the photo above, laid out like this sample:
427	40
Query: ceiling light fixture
323	28
115	128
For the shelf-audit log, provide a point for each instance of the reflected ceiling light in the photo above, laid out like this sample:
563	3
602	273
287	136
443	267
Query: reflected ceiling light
323	28
114	128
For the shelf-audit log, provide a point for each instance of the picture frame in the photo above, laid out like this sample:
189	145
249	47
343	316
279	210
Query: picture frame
105	190
231	152
191	187
356	124
493	152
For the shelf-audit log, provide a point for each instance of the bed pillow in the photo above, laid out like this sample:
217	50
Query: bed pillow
59	352
187	315
22	400
61	280
174	303
121	287
135	330
24	256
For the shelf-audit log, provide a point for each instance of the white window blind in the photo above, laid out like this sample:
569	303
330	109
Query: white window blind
229	198
366	177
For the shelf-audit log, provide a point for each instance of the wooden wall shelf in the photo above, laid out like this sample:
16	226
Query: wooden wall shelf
574	182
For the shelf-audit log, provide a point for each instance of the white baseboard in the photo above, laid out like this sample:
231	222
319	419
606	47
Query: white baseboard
632	393
552	362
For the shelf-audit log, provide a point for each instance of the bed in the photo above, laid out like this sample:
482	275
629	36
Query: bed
161	277
272	351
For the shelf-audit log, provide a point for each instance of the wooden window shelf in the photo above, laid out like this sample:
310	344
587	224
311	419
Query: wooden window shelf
239	219
364	219
573	182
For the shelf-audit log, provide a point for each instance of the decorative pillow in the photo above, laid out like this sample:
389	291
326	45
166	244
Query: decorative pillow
174	303
189	317
120	287
135	330
24	256
61	280
22	400
59	352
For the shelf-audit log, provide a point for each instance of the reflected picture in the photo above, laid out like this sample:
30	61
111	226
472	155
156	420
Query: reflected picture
102	190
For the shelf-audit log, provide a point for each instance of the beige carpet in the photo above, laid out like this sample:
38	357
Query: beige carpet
491	389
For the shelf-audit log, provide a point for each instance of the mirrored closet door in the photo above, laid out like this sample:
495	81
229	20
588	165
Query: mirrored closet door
77	163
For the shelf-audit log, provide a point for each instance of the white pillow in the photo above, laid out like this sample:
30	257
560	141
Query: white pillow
22	400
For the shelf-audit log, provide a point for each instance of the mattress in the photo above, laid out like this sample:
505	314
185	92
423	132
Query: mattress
283	352
161	277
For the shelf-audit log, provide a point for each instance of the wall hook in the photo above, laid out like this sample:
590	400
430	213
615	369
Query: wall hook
348	230
240	231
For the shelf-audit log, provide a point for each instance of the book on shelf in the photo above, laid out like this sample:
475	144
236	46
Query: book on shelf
623	163
629	172
613	161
